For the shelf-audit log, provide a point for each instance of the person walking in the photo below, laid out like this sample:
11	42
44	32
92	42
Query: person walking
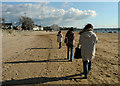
88	40
69	40
59	38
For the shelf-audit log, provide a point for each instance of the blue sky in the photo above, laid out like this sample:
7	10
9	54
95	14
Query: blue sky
100	14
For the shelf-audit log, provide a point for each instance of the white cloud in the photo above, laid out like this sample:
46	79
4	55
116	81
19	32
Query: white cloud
45	15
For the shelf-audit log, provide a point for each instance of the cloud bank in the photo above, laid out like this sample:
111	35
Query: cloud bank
42	14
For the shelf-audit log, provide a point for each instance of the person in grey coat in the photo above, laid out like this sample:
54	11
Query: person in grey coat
88	40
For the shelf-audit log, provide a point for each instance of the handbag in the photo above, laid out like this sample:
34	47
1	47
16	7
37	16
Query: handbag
66	40
77	54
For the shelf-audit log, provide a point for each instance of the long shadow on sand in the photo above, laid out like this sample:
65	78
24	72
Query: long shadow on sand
32	61
39	80
38	48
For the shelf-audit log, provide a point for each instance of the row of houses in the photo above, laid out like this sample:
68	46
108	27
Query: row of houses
35	28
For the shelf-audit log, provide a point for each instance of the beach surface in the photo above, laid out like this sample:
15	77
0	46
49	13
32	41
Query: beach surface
33	58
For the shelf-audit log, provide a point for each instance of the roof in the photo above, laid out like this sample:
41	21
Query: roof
7	23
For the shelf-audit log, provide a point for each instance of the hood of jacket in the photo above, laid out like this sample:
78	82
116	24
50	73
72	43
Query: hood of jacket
87	34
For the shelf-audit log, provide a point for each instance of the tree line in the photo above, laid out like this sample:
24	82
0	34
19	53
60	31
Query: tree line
26	22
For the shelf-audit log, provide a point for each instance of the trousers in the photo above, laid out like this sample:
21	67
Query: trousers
70	52
87	67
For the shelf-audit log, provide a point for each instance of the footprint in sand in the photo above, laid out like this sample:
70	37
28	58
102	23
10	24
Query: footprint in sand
108	75
60	68
115	73
30	54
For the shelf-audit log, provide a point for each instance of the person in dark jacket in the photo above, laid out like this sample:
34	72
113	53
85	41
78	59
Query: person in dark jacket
69	40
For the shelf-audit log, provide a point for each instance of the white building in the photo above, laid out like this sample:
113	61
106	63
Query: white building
41	28
37	28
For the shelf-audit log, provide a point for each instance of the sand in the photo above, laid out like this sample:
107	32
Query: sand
33	58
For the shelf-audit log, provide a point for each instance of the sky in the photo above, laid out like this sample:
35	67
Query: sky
64	14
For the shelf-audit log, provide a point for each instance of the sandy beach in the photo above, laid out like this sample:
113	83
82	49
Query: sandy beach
33	58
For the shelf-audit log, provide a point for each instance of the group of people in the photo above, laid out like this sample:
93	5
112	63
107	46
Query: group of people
87	40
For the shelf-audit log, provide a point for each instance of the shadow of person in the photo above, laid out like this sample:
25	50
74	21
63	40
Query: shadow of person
37	48
38	80
32	61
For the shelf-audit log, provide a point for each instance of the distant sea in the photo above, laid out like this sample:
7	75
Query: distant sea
105	30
